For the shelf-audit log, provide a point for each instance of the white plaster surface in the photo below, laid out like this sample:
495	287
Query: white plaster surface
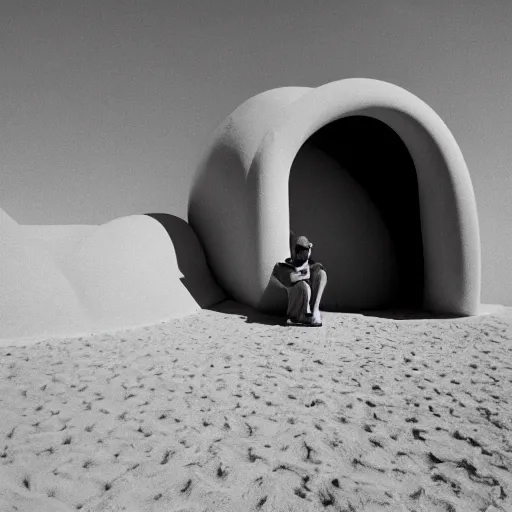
36	298
69	280
239	204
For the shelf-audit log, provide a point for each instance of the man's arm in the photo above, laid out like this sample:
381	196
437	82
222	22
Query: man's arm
287	275
300	275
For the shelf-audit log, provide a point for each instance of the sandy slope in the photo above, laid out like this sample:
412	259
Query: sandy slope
227	412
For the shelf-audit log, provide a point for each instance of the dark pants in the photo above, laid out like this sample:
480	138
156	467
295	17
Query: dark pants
304	296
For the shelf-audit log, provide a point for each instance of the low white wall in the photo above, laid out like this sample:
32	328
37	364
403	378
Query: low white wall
66	281
126	274
59	241
36	298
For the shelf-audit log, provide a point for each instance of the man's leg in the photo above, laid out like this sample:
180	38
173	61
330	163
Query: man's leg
318	283
299	296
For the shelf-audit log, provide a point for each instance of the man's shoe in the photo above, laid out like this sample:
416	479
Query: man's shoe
308	321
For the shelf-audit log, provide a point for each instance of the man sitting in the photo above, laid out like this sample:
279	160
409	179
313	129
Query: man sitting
305	281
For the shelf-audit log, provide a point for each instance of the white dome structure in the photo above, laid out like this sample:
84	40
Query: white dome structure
277	164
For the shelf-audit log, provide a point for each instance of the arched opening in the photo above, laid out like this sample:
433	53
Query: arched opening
353	191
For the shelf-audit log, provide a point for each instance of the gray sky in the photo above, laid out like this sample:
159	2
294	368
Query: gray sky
107	105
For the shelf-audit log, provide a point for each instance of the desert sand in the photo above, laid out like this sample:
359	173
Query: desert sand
230	410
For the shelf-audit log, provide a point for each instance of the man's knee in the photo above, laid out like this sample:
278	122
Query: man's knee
302	286
318	272
316	267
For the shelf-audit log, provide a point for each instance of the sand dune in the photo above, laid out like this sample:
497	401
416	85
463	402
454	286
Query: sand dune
228	410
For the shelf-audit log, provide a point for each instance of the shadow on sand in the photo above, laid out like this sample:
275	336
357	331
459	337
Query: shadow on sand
197	276
408	314
253	316
230	307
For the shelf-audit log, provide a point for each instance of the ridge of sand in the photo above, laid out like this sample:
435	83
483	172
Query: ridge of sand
230	411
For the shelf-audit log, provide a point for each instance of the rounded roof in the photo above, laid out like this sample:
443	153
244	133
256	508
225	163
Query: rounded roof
246	170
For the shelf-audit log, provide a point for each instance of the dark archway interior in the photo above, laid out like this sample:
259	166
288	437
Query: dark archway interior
378	160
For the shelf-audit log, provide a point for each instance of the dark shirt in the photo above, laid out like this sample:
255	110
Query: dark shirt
282	272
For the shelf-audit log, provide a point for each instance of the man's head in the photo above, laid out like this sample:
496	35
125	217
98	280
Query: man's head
302	249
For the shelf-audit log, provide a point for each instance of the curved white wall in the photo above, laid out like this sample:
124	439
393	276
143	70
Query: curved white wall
126	273
451	238
218	212
121	274
239	206
36	298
